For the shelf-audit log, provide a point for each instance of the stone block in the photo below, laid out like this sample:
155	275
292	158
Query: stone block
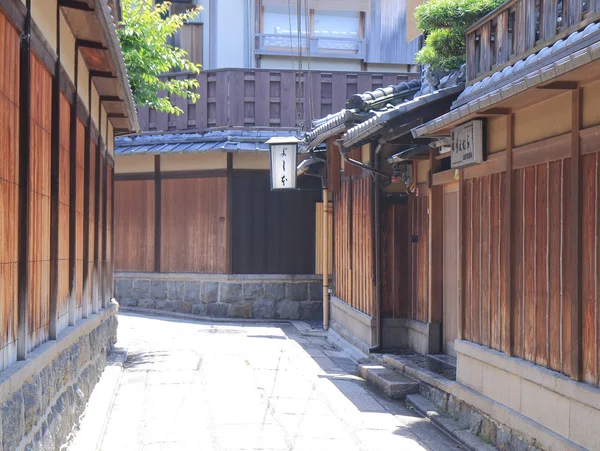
166	304
218	310
123	288
253	291
191	292
146	303
287	310
263	309
475	421
128	302
141	288
31	393
240	311
210	292
199	309
231	292
459	411
11	414
488	430
315	291
175	290
158	289
311	310
274	291
297	291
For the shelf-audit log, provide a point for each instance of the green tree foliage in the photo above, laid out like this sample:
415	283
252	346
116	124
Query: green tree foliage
444	23
143	34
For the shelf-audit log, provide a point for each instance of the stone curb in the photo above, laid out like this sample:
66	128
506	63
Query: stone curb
95	419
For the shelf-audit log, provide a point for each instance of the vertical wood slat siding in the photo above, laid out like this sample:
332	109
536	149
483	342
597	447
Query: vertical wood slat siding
39	207
395	250
89	295
134	225
196	244
484	265
9	189
420	258
353	247
79	220
110	238
63	215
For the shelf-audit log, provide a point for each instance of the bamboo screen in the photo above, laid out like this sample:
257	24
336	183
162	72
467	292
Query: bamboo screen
90	296
80	171
9	189
63	215
38	259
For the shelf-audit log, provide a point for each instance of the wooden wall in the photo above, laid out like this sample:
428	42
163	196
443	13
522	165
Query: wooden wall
273	232
484	263
419	207
89	283
64	202
9	190
38	285
354	278
193	225
395	261
79	220
134	225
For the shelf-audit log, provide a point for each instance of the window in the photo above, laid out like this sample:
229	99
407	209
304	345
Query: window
343	27
280	27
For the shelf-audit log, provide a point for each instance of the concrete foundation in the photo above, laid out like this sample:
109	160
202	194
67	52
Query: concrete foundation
352	325
255	296
402	333
42	398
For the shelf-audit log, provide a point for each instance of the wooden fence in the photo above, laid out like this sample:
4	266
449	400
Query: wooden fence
264	98
519	28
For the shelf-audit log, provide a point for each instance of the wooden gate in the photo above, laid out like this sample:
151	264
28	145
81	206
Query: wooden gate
451	267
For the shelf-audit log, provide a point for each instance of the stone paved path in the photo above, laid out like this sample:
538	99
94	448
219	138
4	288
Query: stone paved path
191	385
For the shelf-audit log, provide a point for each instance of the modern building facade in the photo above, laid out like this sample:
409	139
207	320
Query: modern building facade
64	95
199	230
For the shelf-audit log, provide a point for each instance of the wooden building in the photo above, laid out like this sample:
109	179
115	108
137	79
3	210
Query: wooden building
63	96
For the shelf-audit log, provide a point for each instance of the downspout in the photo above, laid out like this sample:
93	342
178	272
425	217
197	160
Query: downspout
325	259
377	233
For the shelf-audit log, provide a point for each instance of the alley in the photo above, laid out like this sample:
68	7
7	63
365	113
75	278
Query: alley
191	385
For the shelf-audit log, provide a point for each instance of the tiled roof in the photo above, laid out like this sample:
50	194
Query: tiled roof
215	141
358	108
564	55
380	118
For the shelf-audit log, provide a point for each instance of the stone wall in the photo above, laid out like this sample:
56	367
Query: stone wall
224	296
42	398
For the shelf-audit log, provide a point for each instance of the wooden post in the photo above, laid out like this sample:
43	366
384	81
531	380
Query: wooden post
325	262
54	186
575	237
157	212
229	213
86	204
73	197
436	231
507	344
96	278
24	157
461	255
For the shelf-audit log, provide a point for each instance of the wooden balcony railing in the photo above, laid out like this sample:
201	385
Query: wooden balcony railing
264	98
519	28
330	45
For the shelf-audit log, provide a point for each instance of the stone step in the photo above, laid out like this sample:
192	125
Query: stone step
456	429
390	382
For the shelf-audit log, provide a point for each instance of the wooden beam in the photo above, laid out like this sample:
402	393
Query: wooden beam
507	344
90	44
104	279
73	197
72	4
86	204
101	74
561	85
96	278
24	184
494	112
110	99
575	237
157	212
461	255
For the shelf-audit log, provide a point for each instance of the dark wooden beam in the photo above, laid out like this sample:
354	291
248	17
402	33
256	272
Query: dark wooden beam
86	203
561	85
97	200
228	215
461	255
24	184
507	344
101	74
575	224
90	44
116	116
436	236
54	187
104	279
72	4
157	212
110	99
494	112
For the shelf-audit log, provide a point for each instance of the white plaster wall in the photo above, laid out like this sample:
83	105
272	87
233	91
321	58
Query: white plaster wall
230	34
394	68
251	160
192	162
134	164
43	13
283	62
